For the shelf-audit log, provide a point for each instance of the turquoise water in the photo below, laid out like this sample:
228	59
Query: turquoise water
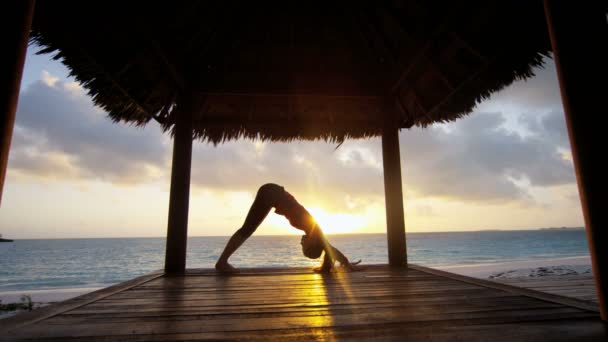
78	263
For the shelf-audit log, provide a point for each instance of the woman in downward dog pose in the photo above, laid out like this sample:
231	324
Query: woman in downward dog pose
313	242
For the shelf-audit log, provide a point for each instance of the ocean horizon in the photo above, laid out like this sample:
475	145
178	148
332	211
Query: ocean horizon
47	264
298	234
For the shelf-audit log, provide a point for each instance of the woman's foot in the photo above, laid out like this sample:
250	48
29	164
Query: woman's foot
225	268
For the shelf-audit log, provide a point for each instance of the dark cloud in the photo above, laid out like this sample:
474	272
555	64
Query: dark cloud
540	93
478	159
58	127
550	127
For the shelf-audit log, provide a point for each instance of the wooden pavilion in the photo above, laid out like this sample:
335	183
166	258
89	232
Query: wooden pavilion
282	71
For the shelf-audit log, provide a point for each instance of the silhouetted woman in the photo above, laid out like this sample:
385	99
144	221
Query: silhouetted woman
313	242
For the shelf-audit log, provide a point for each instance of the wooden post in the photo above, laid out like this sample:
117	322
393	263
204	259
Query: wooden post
395	221
179	198
16	23
579	32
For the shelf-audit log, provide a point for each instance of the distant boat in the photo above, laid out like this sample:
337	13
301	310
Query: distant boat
4	240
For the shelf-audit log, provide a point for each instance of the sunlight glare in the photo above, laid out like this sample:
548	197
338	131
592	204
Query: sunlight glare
337	223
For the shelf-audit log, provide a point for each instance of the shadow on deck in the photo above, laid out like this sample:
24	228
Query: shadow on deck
294	303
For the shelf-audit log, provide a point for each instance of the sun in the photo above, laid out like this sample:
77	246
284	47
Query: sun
337	223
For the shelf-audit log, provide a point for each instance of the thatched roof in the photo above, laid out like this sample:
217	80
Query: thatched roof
293	70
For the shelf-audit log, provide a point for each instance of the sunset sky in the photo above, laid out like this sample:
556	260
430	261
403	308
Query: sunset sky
73	173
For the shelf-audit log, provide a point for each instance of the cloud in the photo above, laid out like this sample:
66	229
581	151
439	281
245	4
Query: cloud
550	127
314	171
478	159
539	93
61	134
49	79
475	159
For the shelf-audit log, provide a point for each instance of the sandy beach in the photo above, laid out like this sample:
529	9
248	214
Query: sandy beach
526	268
45	296
40	298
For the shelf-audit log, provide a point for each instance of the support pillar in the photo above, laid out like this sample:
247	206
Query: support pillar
16	20
393	193
179	198
578	32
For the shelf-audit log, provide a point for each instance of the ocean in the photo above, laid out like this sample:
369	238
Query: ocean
92	263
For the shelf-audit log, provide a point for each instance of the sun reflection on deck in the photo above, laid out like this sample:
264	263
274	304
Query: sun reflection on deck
318	303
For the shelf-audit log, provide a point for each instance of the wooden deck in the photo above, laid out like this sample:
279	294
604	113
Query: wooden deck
282	304
580	286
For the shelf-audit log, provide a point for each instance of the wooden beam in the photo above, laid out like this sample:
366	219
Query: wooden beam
171	69
395	221
179	197
295	95
437	71
581	56
406	118
374	40
16	23
468	46
459	87
289	124
440	29
421	53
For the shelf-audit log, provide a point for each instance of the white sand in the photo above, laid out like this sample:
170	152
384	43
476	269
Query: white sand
40	297
557	266
45	296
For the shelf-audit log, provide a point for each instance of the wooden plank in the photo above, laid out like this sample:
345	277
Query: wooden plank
337	308
302	301
229	292
261	288
253	301
239	281
18	321
558	330
49	330
270	285
499	303
316	289
438	311
481	294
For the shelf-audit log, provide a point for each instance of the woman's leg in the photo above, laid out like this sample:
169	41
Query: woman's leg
263	203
